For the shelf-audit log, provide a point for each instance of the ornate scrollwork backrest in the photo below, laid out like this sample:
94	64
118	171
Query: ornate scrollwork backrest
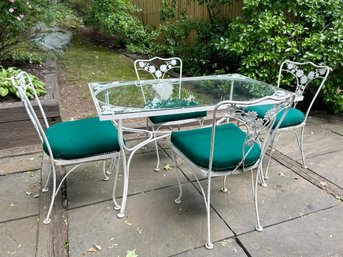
23	83
252	125
304	73
158	68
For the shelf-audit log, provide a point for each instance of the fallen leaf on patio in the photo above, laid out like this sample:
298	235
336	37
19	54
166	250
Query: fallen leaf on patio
167	167
12	204
281	174
296	177
301	214
223	243
339	197
131	253
127	223
36	196
28	193
139	230
323	183
98	247
91	250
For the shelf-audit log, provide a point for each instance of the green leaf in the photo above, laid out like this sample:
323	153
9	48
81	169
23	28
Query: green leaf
3	91
131	253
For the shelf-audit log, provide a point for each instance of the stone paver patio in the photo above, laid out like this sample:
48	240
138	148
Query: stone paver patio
301	215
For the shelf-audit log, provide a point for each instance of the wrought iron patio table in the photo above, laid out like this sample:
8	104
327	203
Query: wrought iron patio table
117	101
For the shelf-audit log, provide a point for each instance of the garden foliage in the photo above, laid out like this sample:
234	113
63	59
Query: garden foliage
6	87
304	30
117	16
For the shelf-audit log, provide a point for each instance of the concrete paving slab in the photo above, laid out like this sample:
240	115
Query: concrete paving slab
315	143
154	225
14	164
19	238
86	186
316	235
326	121
19	195
224	248
286	196
329	166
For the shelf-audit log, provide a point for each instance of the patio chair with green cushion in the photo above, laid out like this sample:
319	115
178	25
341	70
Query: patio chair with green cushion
165	93
69	143
302	74
227	149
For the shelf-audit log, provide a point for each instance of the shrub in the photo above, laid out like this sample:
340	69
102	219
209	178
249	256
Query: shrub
17	19
6	87
117	17
270	31
202	55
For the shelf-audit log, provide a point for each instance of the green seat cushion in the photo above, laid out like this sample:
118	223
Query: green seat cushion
81	138
292	118
172	103
175	117
229	140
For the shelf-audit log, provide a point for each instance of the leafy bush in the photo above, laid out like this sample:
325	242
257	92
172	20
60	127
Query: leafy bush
62	16
6	87
271	31
202	55
17	19
117	17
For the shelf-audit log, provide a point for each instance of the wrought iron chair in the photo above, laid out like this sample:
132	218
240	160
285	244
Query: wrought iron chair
158	68
227	149
295	120
69	143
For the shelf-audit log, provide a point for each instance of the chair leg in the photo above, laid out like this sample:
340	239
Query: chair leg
157	153
110	168
178	199
53	194
301	146
208	244
116	164
45	187
104	170
265	175
254	185
224	188
126	168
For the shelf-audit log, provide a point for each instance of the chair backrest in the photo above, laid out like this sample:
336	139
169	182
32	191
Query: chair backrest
23	83
158	68
250	123
303	74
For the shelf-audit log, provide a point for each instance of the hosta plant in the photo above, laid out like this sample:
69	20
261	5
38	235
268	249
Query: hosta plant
7	88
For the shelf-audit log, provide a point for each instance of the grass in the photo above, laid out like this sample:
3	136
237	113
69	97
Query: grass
86	62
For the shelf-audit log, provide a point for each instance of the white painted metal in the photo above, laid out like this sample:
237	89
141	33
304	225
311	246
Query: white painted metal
22	82
158	68
253	127
303	74
108	109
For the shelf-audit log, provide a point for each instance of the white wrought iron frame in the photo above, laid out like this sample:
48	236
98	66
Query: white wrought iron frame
253	127
302	81
22	82
159	74
108	110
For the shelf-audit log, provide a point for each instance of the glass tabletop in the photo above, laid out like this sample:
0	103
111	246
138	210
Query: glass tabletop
146	98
